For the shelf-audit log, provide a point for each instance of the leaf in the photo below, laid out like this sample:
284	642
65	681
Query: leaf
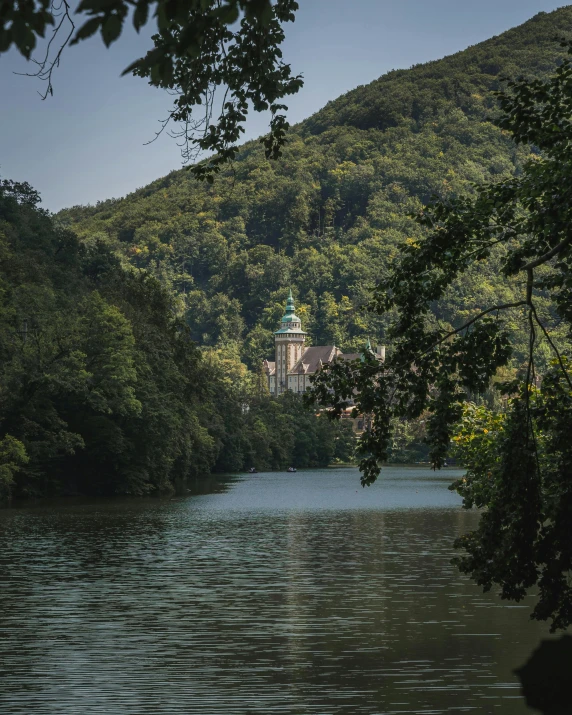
23	37
260	10
93	6
111	29
38	22
134	66
141	15
153	57
227	14
87	30
5	40
156	74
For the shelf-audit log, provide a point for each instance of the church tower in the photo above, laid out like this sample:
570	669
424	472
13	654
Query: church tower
289	342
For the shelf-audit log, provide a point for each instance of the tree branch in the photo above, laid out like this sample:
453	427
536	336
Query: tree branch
504	306
547	256
46	66
554	348
529	284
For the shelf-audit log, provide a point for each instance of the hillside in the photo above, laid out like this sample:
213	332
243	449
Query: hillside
328	218
103	392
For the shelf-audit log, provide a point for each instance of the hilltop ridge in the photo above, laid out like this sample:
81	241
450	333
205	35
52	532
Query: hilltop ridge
528	49
329	216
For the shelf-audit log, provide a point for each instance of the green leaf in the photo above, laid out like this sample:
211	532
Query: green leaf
111	29
140	15
156	74
23	37
133	66
5	40
227	14
94	6
87	30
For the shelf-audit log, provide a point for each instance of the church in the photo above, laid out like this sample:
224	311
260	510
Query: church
294	362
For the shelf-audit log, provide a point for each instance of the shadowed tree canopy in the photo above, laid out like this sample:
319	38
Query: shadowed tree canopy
220	58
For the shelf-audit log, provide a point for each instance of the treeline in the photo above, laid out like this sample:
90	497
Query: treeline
102	389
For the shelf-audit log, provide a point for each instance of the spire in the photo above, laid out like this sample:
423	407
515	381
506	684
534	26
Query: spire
368	350
290	323
290	316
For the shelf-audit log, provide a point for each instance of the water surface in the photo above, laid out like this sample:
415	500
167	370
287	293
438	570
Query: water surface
276	593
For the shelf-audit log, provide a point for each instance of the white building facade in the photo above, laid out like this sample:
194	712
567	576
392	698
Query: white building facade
294	363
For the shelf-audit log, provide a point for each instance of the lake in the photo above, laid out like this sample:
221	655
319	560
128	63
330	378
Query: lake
270	593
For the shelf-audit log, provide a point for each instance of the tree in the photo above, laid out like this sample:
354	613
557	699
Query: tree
12	457
99	381
209	53
522	226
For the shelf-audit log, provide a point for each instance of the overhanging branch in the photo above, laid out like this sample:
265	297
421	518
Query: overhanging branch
547	256
553	346
450	334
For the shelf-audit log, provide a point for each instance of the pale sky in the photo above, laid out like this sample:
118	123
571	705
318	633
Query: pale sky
86	143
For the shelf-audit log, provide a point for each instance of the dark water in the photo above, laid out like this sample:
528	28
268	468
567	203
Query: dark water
281	593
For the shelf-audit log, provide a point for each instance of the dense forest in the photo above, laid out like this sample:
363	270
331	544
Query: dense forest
328	217
132	331
103	390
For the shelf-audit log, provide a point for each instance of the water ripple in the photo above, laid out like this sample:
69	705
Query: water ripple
284	594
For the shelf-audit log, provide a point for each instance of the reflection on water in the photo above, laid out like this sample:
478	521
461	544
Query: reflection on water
286	593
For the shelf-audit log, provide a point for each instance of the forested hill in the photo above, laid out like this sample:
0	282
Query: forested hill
328	218
102	390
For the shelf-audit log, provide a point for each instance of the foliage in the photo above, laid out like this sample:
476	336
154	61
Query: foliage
202	47
12	457
254	429
519	467
101	388
523	538
78	378
476	447
330	217
408	442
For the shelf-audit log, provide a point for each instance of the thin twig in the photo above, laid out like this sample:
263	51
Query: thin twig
554	348
46	67
529	369
504	306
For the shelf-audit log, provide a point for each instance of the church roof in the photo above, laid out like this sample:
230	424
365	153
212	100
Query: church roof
313	359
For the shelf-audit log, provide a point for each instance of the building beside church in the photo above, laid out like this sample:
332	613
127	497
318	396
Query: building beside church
295	363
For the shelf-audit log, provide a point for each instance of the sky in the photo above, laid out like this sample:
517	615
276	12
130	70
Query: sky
87	142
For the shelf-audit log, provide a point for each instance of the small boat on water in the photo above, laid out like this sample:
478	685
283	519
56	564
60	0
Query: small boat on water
291	469
252	470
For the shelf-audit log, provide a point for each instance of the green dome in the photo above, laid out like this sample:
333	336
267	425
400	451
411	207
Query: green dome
290	316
